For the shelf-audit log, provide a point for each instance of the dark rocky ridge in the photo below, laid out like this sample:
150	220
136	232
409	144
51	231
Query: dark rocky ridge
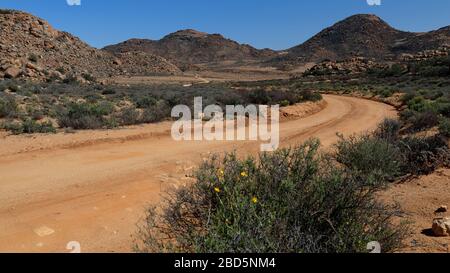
193	47
363	35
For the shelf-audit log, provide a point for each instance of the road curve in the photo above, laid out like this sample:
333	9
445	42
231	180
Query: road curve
95	194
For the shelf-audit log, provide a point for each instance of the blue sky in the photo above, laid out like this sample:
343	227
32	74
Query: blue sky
277	24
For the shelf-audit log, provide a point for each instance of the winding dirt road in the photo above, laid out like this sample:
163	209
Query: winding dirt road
96	192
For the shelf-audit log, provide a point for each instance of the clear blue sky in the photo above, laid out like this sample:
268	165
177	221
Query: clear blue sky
277	24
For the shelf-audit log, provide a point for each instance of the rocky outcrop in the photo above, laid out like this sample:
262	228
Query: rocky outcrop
427	54
32	49
351	66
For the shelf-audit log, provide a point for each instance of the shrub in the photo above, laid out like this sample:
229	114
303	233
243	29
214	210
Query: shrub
388	130
145	102
85	116
156	113
406	98
29	126
129	116
285	103
423	121
308	95
368	157
423	155
291	201
418	104
33	58
436	71
15	127
444	127
35	113
109	91
442	108
8	107
259	96
88	77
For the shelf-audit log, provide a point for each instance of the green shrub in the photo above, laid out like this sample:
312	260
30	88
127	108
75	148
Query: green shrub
145	102
259	96
15	127
423	121
369	156
387	93
29	126
444	127
85	116
156	113
88	77
8	107
406	98
388	130
129	116
418	104
290	201
33	58
308	95
423	155
394	70
285	103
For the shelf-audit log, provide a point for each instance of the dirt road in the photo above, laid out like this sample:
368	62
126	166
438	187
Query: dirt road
96	192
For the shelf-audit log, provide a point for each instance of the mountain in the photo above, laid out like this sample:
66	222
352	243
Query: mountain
363	35
30	48
194	47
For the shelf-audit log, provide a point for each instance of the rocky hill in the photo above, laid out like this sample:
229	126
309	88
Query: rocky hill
363	35
187	47
30	48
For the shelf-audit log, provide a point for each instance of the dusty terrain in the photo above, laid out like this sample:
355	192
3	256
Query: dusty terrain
203	77
419	199
93	187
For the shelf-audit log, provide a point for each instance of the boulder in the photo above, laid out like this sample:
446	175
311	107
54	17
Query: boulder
56	75
441	227
12	72
32	66
442	209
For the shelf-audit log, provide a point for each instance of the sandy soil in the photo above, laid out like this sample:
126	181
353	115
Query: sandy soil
93	187
242	74
418	200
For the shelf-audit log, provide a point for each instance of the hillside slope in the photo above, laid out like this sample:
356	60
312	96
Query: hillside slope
363	35
31	48
194	47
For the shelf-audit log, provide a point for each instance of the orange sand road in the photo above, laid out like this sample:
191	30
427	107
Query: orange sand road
96	192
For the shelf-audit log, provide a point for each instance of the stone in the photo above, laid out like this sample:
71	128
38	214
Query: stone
12	72
56	75
441	227
442	209
31	66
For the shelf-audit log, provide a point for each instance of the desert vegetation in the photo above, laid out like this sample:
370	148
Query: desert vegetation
296	200
27	107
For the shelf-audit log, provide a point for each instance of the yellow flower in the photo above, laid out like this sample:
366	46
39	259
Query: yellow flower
220	172
216	189
255	200
244	174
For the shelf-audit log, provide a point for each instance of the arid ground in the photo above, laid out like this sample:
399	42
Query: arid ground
93	186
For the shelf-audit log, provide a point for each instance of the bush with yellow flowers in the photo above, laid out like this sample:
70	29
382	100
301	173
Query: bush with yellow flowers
291	201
